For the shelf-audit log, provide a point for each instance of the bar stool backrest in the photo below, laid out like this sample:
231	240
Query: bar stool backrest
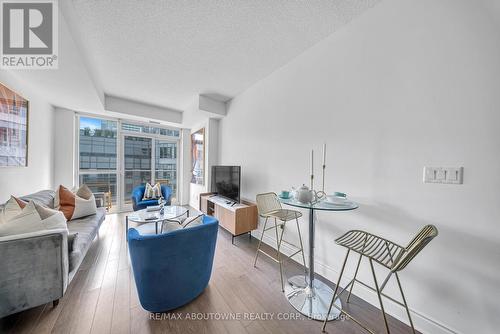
418	243
267	202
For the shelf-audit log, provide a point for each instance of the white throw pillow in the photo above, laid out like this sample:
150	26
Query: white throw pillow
12	208
84	203
32	218
75	205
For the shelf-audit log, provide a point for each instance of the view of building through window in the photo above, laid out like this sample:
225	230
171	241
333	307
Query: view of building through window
137	159
147	157
149	129
98	157
166	163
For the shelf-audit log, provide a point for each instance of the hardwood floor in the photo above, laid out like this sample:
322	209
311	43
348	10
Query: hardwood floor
102	297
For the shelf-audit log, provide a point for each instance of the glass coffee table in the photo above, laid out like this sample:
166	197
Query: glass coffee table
146	217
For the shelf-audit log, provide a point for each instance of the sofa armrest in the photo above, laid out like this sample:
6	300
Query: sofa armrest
166	193
136	196
34	269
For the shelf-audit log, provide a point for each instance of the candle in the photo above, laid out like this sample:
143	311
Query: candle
312	169
324	166
312	162
324	154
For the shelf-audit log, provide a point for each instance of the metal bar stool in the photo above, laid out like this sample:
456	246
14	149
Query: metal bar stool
269	206
386	253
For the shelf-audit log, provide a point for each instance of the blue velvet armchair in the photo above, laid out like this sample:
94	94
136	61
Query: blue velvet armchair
173	268
138	194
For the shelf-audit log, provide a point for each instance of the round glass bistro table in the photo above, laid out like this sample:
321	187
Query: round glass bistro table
313	297
143	216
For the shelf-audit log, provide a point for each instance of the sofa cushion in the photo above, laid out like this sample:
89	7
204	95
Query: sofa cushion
87	228
43	197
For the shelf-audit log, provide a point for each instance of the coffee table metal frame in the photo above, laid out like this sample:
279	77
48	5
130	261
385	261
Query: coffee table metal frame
167	215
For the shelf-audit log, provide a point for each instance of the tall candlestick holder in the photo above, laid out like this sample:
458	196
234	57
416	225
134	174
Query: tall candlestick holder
323	181
320	195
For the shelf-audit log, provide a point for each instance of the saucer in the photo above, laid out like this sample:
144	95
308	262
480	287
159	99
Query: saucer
332	199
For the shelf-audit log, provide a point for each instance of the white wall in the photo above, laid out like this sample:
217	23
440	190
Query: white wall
38	174
408	84
148	111
213	147
64	148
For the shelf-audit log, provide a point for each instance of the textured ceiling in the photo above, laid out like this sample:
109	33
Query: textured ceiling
167	52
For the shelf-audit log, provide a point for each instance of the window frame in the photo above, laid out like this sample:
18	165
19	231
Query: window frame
119	171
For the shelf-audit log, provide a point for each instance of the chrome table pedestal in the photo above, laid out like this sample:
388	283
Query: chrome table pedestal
314	301
311	297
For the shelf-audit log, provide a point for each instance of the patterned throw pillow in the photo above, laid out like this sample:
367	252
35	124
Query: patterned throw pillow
148	192
152	192
75	205
12	208
176	223
32	218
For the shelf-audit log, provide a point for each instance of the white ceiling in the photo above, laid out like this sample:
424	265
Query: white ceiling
167	52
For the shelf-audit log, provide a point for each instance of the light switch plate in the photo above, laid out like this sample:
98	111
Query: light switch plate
449	175
455	175
441	175
431	175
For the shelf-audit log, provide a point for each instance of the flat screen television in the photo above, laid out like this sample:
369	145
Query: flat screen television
226	181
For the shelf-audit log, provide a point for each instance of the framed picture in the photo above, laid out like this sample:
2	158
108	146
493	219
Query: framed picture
13	128
198	157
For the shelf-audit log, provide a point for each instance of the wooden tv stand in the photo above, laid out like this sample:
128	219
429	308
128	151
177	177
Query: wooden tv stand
237	219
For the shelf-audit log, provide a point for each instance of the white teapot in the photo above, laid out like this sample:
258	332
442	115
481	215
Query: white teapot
304	194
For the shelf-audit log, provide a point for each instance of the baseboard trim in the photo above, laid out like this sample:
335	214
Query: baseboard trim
421	321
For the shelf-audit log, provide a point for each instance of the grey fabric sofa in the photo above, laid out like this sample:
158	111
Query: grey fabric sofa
36	268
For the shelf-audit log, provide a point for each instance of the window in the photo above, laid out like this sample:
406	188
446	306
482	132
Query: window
168	152
117	156
163	161
166	163
137	163
100	183
97	155
147	129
